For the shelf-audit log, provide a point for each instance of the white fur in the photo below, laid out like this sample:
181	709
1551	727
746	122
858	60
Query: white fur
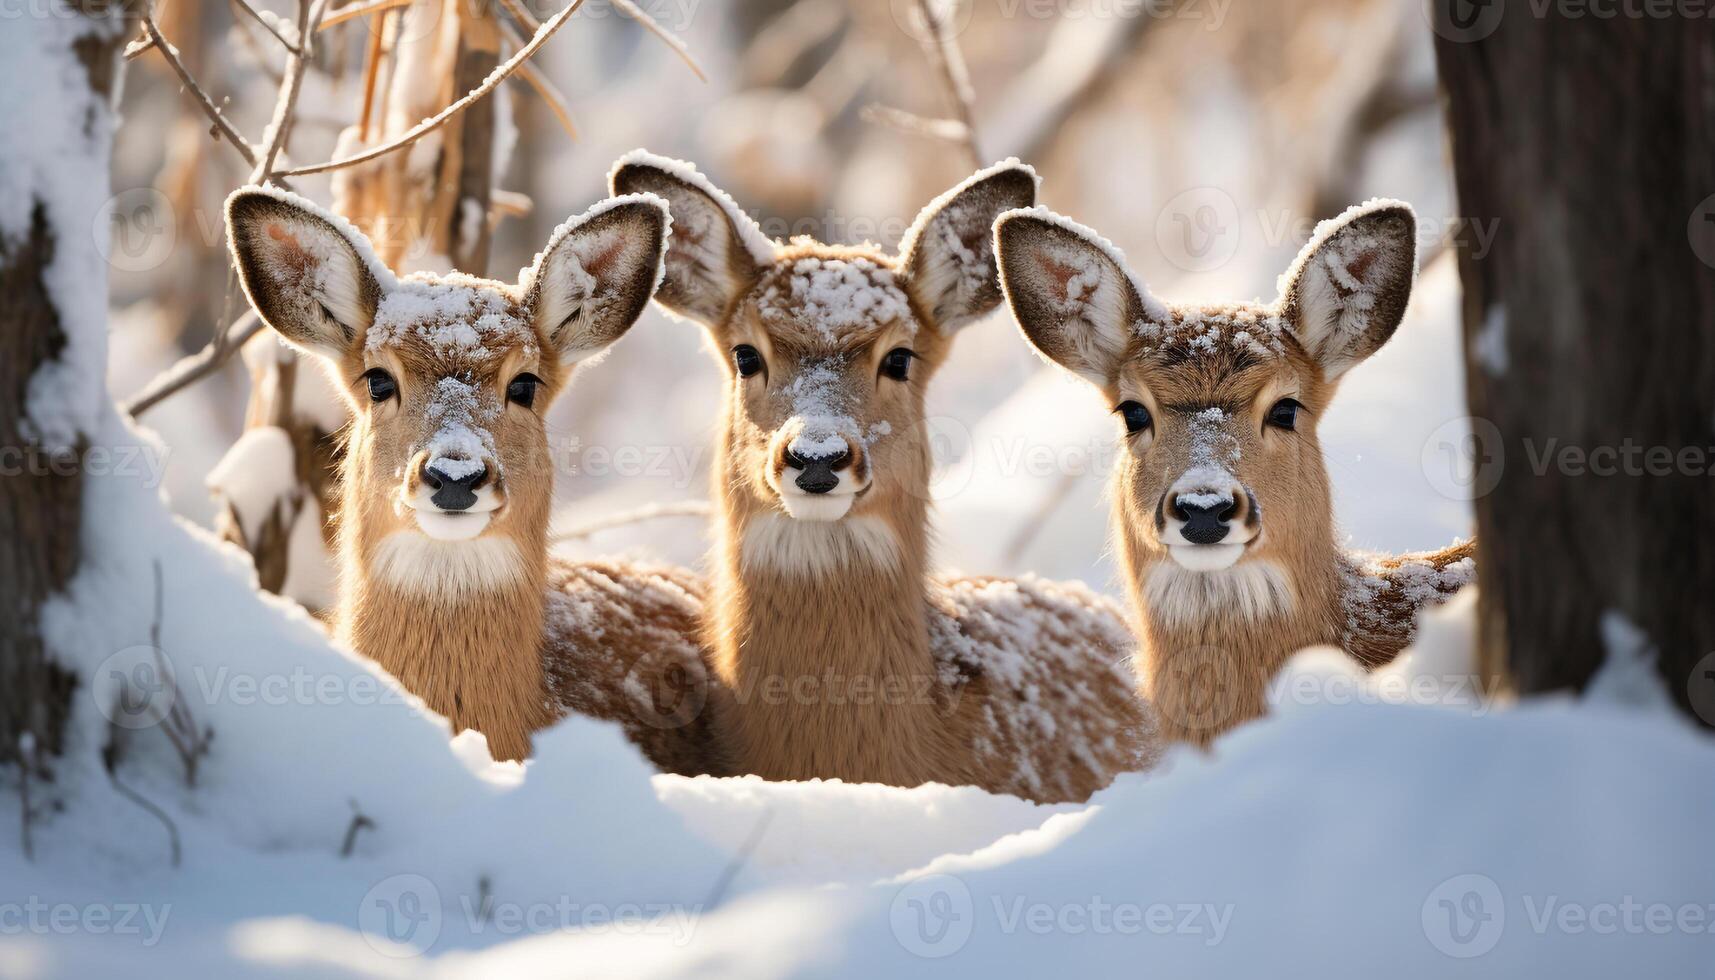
1253	590
818	547
421	565
830	506
1207	557
452	525
564	285
945	274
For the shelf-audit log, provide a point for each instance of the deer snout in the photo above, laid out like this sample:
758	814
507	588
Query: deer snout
1204	518
818	474
1207	528
454	481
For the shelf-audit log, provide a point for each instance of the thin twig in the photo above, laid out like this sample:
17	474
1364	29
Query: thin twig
654	27
208	107
358	822
730	872
429	125
256	15
159	814
310	13
947	130
648	512
346	13
26	749
949	63
195	367
544	88
371	75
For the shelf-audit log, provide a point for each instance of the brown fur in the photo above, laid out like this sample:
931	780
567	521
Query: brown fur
844	657
489	632
1209	378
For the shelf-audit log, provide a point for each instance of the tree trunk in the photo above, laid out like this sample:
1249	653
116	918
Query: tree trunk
41	490
1589	335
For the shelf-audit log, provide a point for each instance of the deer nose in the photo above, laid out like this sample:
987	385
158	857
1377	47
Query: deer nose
455	481
1207	516
818	473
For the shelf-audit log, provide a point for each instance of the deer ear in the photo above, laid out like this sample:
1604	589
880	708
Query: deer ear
592	281
1071	292
1346	293
309	274
716	250
947	256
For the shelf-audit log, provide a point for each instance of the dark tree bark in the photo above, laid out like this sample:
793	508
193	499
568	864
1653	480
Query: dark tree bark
41	491
1589	332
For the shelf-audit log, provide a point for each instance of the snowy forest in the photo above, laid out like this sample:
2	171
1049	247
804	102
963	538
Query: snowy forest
853	488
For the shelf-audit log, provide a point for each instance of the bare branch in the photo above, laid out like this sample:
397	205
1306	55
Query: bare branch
359	821
256	15
948	130
195	367
429	125
654	27
544	88
208	107
648	512
949	62
310	14
346	13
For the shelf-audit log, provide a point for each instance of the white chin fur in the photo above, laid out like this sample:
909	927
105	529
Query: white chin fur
447	526
817	507
1206	557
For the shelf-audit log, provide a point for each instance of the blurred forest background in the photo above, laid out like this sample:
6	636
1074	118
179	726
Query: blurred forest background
1205	137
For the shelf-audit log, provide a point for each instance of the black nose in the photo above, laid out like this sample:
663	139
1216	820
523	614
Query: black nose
1205	522
455	481
818	472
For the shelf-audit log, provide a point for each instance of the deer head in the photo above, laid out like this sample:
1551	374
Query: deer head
1221	477
828	350
448	377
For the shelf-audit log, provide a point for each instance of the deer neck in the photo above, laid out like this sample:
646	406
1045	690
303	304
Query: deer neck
1212	641
821	632
459	623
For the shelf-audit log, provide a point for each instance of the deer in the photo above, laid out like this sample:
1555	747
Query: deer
845	657
445	577
1221	517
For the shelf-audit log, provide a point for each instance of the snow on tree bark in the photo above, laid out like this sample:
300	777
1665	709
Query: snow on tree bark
59	69
1589	331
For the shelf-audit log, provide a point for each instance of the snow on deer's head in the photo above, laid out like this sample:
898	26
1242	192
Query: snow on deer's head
448	377
828	349
1222	473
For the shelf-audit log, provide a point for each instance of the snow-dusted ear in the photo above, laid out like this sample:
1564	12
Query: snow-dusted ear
1071	292
592	281
311	276
716	250
1346	293
947	256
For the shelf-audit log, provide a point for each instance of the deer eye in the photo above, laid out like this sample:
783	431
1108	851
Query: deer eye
897	364
1284	414
381	385
746	359
522	390
1135	415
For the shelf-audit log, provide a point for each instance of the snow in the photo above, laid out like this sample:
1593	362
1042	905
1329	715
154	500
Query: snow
839	297
1490	345
252	475
57	134
455	316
